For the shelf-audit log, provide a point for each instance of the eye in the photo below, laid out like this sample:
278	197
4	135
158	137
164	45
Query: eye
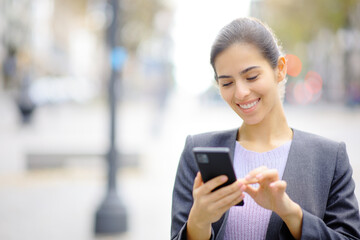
252	78
226	84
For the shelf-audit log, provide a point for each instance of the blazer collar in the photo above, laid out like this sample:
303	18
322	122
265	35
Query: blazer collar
230	142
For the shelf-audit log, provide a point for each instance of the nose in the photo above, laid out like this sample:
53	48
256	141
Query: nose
242	90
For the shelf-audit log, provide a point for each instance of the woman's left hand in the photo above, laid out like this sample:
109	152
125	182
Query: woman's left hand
270	193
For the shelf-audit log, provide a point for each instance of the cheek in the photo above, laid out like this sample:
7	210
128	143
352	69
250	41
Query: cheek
226	95
267	86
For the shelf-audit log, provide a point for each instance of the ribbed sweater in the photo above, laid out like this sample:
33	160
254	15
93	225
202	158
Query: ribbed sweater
251	221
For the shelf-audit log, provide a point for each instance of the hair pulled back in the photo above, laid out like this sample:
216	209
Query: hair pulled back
250	31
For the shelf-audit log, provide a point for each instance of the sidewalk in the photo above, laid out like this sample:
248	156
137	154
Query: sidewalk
60	203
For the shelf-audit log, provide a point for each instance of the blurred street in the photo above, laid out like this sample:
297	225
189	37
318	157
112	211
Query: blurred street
63	61
58	200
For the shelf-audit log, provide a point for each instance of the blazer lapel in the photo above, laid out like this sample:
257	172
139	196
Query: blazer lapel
227	140
291	175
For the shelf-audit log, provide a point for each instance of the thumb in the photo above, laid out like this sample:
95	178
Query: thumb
250	190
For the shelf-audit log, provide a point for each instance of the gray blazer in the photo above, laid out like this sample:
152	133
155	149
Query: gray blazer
318	176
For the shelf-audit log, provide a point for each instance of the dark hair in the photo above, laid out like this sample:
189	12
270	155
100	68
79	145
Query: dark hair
250	31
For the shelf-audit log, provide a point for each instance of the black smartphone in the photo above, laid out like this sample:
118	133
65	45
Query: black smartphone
213	162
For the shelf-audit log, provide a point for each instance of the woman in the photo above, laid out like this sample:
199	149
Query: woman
295	185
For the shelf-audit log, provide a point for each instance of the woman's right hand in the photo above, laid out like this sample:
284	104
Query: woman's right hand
208	206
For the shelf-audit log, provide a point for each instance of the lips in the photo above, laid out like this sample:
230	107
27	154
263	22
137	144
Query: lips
249	105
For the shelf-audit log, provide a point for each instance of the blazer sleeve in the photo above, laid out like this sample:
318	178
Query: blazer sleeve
182	200
341	219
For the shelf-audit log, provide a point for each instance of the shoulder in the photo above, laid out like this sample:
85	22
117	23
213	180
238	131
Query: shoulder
315	150
314	142
312	137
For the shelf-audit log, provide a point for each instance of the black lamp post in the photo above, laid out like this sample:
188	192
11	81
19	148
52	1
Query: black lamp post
111	217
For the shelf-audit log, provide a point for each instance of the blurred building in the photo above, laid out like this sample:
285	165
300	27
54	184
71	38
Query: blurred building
60	45
325	39
52	40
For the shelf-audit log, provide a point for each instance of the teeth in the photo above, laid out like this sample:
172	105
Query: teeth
247	106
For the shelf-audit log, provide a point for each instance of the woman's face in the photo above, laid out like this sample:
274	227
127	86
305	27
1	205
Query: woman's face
248	83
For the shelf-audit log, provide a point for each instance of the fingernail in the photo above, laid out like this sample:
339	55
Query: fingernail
259	176
223	178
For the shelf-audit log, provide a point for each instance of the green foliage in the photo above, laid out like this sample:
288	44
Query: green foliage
137	21
300	20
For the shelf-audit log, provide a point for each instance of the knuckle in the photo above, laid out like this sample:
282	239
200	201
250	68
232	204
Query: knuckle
222	202
235	186
198	192
226	190
205	187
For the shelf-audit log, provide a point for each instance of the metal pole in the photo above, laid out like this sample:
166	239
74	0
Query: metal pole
111	217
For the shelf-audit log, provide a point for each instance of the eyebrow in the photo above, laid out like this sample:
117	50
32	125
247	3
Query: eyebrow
241	73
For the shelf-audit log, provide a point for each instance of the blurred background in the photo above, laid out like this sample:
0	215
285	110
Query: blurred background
56	65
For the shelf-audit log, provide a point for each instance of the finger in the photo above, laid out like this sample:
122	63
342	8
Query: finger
269	175
255	171
198	181
213	183
252	191
238	200
227	190
251	176
250	180
227	202
279	185
226	207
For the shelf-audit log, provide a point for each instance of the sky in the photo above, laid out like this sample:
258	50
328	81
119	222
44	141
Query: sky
196	26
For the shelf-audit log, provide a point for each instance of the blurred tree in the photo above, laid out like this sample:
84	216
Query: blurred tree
137	21
300	21
323	34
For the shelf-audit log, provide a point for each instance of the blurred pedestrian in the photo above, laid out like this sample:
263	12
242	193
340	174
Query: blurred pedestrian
9	68
295	185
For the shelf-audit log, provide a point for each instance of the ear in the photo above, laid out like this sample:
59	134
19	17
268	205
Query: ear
281	68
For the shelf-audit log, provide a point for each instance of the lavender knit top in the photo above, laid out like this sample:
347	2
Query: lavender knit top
251	221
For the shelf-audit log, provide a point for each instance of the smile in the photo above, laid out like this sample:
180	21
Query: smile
249	105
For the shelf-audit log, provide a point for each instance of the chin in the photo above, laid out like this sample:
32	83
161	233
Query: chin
251	121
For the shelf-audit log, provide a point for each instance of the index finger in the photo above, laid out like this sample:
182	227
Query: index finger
268	175
214	182
251	178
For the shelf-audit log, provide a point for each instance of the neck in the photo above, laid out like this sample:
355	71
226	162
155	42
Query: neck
272	132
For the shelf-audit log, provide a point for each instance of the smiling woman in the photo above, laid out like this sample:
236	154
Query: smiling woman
295	185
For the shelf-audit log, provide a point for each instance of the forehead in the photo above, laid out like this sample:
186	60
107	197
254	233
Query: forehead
238	57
